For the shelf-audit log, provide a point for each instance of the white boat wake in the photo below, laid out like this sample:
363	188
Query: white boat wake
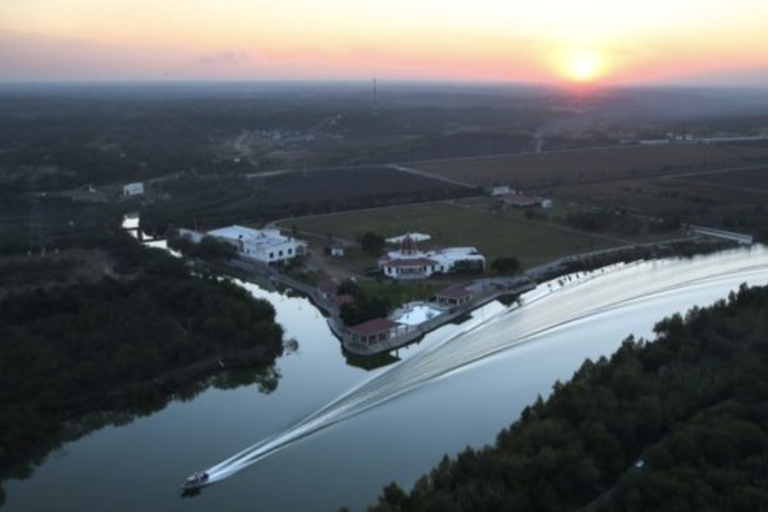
551	307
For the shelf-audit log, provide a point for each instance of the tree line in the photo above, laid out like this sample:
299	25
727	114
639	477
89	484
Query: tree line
677	424
122	342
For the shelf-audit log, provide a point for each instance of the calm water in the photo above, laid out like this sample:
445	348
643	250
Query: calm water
459	387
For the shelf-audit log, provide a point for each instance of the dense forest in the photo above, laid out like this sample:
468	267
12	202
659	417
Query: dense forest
675	425
126	343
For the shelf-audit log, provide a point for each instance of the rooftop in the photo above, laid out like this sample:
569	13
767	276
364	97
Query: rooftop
410	262
454	292
519	200
371	327
328	286
416	237
261	236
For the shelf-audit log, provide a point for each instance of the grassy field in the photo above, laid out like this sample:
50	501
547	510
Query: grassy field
553	169
753	179
692	201
495	234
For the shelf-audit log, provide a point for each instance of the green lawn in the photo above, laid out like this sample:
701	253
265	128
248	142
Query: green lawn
493	233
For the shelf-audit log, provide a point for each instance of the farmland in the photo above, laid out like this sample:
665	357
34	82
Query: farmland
495	234
599	164
219	201
752	179
692	201
337	185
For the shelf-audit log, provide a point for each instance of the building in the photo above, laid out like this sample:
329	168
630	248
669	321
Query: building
374	331
337	251
501	190
328	288
519	200
408	262
454	296
416	237
133	189
263	245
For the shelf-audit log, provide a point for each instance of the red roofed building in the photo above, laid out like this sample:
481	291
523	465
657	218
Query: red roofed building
409	268
328	287
373	331
454	295
408	262
340	300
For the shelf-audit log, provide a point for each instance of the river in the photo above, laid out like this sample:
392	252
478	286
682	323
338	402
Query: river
336	433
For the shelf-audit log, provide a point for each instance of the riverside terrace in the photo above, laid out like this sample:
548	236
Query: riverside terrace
386	334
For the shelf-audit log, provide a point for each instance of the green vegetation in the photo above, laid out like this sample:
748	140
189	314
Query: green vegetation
556	169
17	274
495	234
401	292
374	299
506	265
126	343
372	243
365	306
677	424
209	248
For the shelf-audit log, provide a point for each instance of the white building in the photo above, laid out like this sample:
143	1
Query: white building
416	237
264	245
133	189
337	251
408	262
501	190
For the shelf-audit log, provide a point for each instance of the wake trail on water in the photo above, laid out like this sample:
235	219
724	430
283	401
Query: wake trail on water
551	307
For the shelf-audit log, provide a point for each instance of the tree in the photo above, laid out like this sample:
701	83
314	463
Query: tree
349	287
372	243
364	309
506	265
212	249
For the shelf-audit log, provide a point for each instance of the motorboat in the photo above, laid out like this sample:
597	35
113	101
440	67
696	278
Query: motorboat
196	481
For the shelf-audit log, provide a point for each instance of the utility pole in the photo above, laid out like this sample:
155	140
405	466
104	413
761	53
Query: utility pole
375	107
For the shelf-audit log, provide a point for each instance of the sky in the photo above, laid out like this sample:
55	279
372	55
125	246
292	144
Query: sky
708	42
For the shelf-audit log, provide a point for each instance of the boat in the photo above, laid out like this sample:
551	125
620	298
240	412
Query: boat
196	481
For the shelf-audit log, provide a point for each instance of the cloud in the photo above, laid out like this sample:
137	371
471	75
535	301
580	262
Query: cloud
25	56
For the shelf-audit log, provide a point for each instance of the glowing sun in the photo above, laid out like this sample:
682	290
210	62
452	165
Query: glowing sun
583	66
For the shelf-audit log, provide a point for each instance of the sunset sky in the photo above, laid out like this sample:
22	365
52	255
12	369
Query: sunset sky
651	41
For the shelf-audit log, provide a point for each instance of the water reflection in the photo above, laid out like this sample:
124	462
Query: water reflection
399	439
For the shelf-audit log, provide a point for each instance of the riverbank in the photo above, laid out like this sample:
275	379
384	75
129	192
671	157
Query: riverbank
486	290
519	355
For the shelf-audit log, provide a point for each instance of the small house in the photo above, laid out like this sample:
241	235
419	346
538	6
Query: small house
328	288
454	296
373	331
501	190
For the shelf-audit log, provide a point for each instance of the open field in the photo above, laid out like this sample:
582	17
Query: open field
553	169
495	234
694	202
217	201
333	185
754	179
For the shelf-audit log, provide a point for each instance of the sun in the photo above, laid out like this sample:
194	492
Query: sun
583	66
